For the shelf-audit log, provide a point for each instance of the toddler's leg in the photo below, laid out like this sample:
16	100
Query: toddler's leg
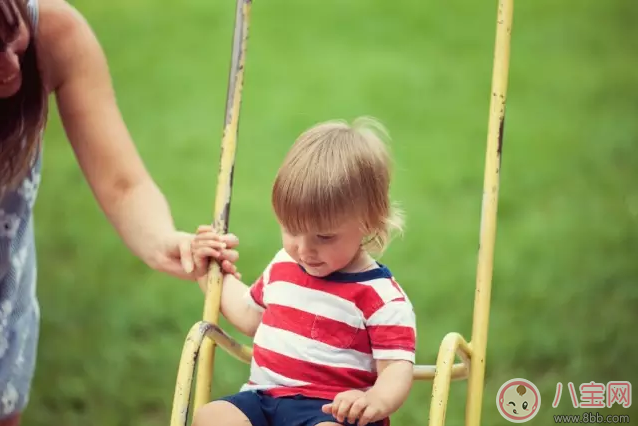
220	413
241	409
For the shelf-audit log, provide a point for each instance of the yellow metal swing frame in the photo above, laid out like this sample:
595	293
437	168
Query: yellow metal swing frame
205	335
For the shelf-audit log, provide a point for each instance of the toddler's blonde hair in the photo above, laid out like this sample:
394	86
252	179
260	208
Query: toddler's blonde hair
336	171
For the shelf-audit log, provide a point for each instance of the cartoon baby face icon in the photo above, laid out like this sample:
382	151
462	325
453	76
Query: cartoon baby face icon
518	400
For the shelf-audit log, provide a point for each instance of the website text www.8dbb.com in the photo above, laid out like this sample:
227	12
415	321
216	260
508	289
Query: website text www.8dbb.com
591	417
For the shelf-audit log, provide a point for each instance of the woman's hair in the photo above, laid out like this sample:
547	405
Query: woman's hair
336	171
24	113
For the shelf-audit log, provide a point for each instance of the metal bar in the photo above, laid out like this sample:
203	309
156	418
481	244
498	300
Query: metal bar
192	347
428	372
181	399
480	322
453	344
240	352
223	194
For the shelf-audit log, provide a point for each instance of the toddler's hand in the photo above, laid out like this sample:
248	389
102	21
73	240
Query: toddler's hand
356	404
208	244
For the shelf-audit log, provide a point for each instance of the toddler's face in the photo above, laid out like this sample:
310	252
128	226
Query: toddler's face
322	253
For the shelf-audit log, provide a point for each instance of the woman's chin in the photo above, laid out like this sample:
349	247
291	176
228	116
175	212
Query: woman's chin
10	88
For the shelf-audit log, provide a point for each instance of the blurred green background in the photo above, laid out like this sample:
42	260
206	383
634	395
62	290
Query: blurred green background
565	274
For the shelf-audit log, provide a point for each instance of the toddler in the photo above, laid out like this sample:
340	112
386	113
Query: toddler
334	333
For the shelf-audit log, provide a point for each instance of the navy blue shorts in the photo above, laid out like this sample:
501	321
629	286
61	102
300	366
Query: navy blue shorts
264	410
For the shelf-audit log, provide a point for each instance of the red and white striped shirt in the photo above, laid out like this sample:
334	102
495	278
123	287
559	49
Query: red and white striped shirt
321	336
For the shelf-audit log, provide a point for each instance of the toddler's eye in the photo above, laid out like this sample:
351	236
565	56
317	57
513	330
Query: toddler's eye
325	237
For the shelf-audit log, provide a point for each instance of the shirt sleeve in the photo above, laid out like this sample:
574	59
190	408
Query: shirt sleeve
255	294
392	330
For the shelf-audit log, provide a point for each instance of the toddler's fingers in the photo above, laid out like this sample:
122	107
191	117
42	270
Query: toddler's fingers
356	409
205	252
336	405
367	416
204	228
231	240
327	408
230	255
228	267
343	410
209	237
198	242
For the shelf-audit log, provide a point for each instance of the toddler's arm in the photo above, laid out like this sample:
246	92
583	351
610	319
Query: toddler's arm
393	383
235	307
392	329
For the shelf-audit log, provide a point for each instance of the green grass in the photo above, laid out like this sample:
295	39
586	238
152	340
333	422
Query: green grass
565	275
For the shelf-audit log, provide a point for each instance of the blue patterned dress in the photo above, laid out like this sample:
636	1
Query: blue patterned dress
19	309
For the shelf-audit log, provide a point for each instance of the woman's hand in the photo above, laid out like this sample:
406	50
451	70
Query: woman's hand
186	256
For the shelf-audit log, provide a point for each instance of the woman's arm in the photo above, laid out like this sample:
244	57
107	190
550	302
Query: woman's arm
76	70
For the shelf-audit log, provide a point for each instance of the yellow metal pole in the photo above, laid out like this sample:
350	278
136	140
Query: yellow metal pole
181	398
190	351
223	195
453	344
480	321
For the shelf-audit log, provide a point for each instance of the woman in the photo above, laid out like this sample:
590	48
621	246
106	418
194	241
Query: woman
46	47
